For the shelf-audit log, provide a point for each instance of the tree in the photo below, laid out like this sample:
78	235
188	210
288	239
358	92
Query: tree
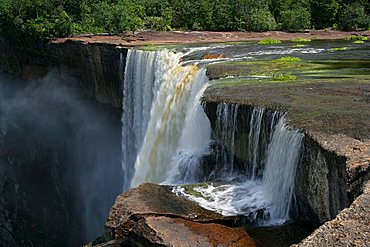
353	16
324	13
295	19
261	20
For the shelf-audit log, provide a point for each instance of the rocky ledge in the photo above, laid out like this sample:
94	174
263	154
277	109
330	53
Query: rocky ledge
151	215
350	227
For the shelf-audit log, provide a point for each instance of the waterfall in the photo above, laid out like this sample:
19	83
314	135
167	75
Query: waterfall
165	133
226	125
264	199
254	138
144	73
164	127
281	165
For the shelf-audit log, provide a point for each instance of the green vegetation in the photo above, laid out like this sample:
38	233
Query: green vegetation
25	20
284	77
358	42
356	38
301	40
340	48
287	59
269	41
299	45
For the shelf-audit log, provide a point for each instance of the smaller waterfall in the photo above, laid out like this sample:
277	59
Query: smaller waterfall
280	170
227	115
262	199
254	138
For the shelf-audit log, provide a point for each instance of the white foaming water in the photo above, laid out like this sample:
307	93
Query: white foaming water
144	73
281	165
177	125
230	199
194	141
265	200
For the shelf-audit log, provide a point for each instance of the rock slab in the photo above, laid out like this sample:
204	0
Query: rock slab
151	215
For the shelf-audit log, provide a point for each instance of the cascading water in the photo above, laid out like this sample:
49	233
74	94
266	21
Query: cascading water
164	126
264	200
281	165
165	132
144	73
227	115
254	138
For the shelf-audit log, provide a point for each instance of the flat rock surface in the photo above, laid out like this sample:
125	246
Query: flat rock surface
351	227
185	233
182	37
151	215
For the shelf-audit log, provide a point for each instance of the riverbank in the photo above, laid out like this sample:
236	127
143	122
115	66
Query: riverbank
182	37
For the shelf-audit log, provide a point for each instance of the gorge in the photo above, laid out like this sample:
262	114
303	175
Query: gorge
232	151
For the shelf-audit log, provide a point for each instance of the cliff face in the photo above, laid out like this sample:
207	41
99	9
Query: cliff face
98	66
321	183
57	149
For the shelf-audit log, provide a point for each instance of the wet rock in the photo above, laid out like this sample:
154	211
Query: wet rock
350	228
182	232
332	169
151	215
320	183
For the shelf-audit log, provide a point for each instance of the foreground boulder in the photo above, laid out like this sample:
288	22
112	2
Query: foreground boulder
151	215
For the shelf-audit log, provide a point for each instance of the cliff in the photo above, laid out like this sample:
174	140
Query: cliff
99	67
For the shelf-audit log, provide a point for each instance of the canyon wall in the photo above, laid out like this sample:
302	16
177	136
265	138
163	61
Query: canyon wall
60	142
98	66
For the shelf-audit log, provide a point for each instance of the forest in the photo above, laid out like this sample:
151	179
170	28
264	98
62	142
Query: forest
22	20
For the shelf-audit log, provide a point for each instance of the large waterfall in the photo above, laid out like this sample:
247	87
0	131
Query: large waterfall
144	73
165	133
162	116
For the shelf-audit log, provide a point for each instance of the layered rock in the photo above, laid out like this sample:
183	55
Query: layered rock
151	215
350	227
98	66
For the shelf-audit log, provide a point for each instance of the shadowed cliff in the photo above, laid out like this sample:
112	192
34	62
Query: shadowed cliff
60	164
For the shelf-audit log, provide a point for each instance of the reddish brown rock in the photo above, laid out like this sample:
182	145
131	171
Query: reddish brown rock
151	215
186	233
213	56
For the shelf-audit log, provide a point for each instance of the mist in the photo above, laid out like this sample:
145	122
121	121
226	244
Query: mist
60	162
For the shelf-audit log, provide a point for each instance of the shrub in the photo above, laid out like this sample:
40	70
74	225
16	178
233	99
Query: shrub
261	20
295	19
156	23
269	41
